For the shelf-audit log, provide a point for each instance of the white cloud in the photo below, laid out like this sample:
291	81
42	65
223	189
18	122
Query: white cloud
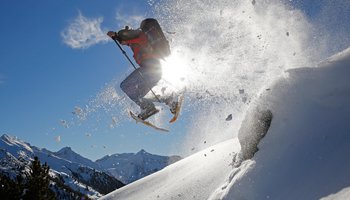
84	32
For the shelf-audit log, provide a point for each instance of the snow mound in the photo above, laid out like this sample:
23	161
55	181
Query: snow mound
304	153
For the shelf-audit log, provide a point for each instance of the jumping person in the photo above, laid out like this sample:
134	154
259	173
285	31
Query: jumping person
149	45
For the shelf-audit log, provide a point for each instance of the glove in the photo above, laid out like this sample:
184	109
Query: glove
113	35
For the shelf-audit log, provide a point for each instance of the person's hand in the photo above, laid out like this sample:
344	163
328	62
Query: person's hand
112	34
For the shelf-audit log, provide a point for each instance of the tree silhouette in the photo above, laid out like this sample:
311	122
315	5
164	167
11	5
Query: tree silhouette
38	182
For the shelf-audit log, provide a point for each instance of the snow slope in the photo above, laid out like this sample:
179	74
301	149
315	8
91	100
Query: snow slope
304	154
343	194
191	178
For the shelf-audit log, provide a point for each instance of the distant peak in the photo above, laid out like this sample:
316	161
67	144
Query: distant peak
142	151
14	141
7	137
65	150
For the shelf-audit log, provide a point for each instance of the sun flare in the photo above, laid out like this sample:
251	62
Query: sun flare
174	70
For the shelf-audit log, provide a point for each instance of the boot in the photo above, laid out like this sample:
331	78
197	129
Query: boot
147	112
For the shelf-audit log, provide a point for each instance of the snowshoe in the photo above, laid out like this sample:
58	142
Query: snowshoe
175	108
147	123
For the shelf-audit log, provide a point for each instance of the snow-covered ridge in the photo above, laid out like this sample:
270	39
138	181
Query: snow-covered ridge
68	154
16	154
14	145
79	172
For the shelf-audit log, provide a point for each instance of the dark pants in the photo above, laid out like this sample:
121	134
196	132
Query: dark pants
141	81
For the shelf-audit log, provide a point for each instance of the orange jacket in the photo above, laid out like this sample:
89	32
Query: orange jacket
139	45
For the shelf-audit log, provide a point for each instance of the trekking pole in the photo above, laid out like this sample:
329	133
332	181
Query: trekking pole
126	55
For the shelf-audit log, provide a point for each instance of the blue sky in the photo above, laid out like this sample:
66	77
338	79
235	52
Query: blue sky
42	79
45	73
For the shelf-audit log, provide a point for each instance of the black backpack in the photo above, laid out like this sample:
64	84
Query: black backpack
156	37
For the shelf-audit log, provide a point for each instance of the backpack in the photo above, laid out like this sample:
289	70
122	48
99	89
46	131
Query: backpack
156	37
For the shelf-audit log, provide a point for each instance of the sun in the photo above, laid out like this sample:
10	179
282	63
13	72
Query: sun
175	70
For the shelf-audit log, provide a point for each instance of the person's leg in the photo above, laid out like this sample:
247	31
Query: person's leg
130	86
151	73
171	99
140	82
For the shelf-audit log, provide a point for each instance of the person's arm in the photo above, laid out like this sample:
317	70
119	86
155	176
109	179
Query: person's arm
125	36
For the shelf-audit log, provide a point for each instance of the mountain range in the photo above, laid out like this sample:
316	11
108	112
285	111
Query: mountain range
79	173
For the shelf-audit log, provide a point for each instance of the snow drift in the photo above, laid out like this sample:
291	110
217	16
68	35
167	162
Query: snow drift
304	154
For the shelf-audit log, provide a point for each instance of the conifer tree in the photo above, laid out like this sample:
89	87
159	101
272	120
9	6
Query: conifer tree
10	189
38	182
